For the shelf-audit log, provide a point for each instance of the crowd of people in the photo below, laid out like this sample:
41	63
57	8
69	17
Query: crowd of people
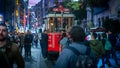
13	43
101	45
104	46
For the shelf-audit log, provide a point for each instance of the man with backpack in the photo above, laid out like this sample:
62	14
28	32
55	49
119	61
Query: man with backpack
10	50
69	55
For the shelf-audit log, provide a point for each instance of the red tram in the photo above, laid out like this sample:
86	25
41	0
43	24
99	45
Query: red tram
54	23
60	18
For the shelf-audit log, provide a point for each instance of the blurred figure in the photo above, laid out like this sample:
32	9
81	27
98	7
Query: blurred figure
88	37
107	50
36	40
27	43
113	40
21	37
96	47
64	42
118	42
44	44
16	38
61	37
10	49
11	36
61	33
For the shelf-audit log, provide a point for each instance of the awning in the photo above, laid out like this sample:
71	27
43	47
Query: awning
97	30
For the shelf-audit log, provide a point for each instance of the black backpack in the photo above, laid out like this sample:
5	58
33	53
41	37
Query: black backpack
83	60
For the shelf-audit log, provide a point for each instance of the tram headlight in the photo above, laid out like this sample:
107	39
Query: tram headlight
51	24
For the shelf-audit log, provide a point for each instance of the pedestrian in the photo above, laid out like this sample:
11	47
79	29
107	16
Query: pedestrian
27	43
107	49
67	59
96	47
113	40
16	38
11	36
61	33
21	37
64	42
36	40
44	44
10	49
118	42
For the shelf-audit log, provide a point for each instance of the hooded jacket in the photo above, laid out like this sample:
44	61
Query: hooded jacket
97	48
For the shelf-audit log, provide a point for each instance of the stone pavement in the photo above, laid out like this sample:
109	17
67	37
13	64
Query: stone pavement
36	60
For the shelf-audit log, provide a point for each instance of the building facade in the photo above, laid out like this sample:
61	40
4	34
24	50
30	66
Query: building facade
41	10
111	12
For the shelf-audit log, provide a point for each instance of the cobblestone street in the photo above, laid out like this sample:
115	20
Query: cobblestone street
37	60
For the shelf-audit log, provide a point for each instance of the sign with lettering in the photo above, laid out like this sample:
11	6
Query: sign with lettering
60	8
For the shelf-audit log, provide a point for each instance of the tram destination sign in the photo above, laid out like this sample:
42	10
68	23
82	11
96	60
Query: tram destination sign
60	8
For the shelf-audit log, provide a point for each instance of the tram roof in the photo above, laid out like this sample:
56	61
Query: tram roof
60	15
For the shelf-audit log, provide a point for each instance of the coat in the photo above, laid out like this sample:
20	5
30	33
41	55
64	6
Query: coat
44	40
97	48
3	60
13	54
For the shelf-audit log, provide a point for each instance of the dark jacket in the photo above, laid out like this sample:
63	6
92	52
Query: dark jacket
14	56
44	40
28	38
112	39
3	60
